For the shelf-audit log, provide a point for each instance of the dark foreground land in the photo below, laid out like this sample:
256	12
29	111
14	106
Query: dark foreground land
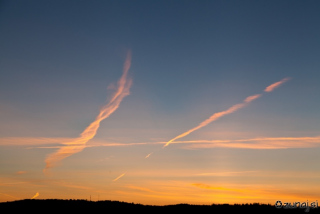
64	206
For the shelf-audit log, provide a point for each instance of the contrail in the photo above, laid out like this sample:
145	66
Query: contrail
120	176
36	195
256	143
276	85
78	144
230	110
148	155
216	116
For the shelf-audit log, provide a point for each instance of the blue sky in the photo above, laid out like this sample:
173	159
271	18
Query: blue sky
190	59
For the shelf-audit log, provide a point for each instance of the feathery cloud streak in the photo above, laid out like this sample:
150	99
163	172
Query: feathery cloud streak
78	144
230	110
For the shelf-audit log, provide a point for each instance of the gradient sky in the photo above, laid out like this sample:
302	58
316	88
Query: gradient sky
60	63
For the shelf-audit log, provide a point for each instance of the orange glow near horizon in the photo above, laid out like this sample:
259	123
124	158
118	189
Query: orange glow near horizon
173	191
160	102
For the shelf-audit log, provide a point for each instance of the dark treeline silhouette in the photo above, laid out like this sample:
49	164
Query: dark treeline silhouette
63	206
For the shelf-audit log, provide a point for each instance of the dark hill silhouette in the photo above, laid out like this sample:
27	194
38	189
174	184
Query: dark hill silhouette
64	206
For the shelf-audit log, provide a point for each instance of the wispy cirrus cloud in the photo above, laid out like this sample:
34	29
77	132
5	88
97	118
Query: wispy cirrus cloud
78	144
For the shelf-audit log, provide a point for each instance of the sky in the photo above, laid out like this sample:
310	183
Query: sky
160	102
